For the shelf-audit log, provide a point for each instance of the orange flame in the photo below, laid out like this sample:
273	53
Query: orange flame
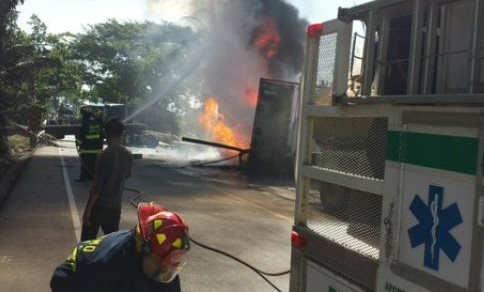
268	39
251	97
213	124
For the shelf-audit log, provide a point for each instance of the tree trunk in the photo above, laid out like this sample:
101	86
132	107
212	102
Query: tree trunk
4	148
5	155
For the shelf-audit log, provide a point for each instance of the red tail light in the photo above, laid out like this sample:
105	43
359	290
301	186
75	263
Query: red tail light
298	240
315	30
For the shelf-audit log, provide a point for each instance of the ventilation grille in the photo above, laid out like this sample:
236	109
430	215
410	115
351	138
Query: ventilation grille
355	146
347	217
323	87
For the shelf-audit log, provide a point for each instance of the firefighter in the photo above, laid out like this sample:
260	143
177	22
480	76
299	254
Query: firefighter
89	142
146	258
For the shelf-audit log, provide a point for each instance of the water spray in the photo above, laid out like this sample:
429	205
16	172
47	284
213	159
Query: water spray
192	63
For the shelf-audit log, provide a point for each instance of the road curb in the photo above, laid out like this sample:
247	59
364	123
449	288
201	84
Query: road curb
10	177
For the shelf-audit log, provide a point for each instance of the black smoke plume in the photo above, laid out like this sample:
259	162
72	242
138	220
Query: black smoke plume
289	60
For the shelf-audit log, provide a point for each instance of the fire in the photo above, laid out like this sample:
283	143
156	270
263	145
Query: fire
213	124
268	39
251	96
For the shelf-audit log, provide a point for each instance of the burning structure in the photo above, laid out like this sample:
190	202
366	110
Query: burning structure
245	40
272	152
252	40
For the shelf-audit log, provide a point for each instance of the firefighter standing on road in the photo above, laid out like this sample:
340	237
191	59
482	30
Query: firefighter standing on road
147	258
89	141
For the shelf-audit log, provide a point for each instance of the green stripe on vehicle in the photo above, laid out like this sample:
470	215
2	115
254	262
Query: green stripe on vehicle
458	154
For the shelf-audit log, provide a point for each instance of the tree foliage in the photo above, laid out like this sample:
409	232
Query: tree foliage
8	17
130	62
38	71
110	62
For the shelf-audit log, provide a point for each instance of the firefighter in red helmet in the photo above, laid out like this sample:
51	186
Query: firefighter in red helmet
166	243
146	258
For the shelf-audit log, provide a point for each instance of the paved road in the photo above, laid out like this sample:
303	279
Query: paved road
39	222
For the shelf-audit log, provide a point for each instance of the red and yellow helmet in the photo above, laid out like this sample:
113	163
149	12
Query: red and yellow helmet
165	235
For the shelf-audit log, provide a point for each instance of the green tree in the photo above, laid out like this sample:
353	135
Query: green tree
130	62
8	16
44	73
26	96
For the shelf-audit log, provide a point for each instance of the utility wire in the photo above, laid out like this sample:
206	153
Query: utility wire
259	272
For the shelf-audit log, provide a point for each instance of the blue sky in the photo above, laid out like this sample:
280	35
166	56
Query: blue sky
72	15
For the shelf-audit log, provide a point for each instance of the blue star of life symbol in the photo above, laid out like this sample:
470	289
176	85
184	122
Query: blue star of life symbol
434	226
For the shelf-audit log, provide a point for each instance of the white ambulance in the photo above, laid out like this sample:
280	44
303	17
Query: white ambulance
390	150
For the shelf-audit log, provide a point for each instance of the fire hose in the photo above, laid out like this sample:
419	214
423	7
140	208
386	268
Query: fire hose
259	272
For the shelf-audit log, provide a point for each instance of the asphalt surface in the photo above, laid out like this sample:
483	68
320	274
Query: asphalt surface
39	221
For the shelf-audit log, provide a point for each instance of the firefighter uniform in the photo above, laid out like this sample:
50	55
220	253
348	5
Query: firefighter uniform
109	263
90	143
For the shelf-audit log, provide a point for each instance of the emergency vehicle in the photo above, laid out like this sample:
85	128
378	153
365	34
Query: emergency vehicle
390	150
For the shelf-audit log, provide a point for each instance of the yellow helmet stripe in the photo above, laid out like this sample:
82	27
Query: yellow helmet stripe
161	237
177	243
157	224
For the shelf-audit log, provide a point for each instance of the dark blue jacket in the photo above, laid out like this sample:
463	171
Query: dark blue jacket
109	263
90	136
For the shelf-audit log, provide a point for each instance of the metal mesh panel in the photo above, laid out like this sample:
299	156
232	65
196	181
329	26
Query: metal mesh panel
355	146
347	217
323	88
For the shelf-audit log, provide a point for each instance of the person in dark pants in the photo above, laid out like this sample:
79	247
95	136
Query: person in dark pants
86	113
113	167
147	258
89	141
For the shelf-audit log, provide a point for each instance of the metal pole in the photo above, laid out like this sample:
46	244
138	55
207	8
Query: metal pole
198	141
369	54
413	80
475	62
430	47
353	54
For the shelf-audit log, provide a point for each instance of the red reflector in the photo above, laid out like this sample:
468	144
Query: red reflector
315	30
297	239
